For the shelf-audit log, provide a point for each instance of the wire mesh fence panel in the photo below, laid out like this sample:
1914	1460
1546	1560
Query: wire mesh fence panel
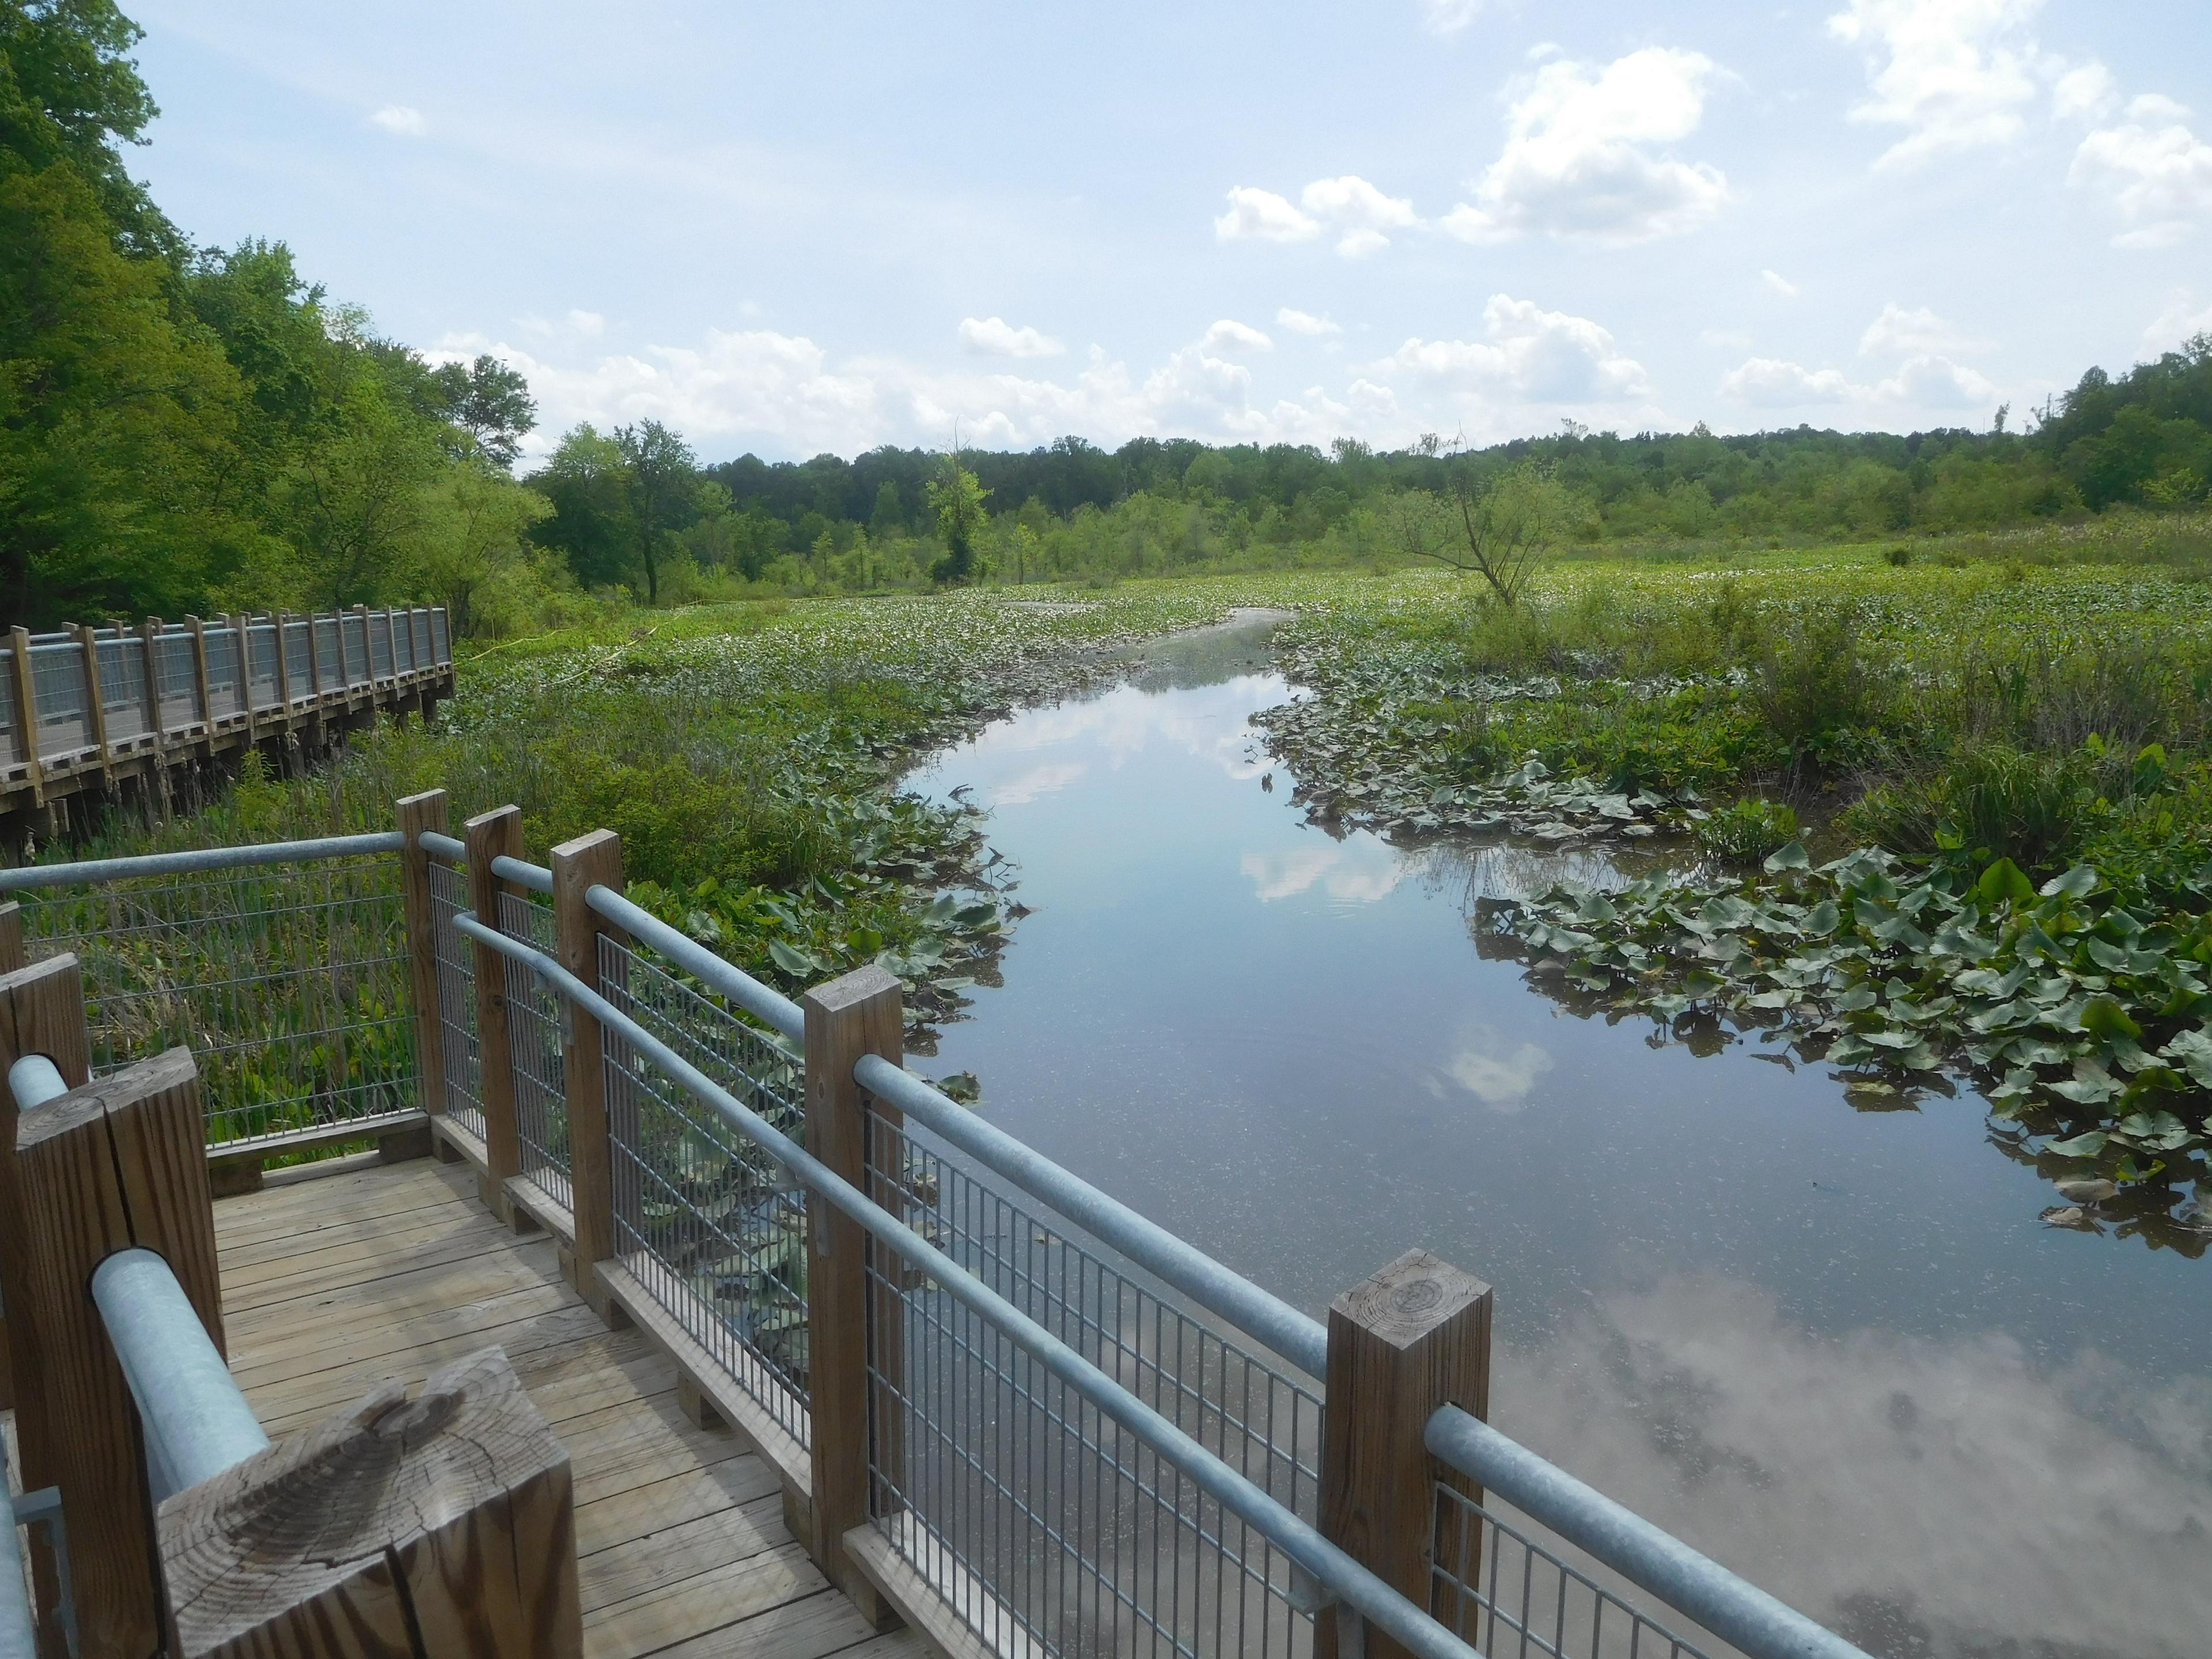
402	640
226	680
702	1217
1511	1596
64	704
1043	1525
379	644
123	686
288	983
455	956
534	1029
330	658
441	645
353	632
418	628
263	665
299	682
177	678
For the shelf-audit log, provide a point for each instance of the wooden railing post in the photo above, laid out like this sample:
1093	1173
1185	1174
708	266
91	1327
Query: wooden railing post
579	865
117	1165
1414	1337
417	813
149	639
25	694
495	833
14	957
859	1014
314	661
417	1530
95	712
205	692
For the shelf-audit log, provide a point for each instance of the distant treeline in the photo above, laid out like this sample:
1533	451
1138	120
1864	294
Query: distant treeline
1155	505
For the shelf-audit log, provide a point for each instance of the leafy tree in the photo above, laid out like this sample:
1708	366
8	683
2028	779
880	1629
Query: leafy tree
1499	528
69	92
955	501
476	558
356	504
490	402
585	479
659	476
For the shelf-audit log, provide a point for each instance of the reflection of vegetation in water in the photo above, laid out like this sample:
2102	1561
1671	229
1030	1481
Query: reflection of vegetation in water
1902	986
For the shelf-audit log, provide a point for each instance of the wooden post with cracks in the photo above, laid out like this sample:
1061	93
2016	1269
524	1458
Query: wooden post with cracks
1412	1338
116	1165
579	865
859	1014
495	833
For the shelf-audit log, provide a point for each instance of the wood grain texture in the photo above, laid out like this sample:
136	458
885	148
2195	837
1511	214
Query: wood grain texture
495	833
417	813
858	1014
1414	1337
592	860
14	957
442	1525
107	1167
682	1523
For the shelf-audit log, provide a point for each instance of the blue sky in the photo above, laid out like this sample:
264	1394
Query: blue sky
798	228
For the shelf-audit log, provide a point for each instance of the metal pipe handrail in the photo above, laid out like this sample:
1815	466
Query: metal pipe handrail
195	1422
536	877
35	1080
1653	1561
773	1007
1298	1337
1300	1541
441	844
199	858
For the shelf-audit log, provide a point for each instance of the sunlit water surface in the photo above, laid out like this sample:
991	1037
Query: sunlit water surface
1836	1349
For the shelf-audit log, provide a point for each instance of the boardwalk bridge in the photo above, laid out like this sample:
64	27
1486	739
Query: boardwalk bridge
726	1333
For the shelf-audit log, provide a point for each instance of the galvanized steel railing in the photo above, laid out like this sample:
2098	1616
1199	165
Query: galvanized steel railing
1081	1435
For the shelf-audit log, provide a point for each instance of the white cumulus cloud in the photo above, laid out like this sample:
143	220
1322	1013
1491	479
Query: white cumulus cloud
995	337
1229	335
2183	318
407	122
1304	322
1448	18
1584	155
1953	74
2085	89
2154	169
1901	333
1544	357
1364	213
1927	381
588	322
1777	283
1262	215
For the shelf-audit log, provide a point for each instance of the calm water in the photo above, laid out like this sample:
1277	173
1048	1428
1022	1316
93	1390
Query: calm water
1836	1349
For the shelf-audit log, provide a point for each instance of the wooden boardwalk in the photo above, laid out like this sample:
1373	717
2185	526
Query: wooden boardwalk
332	1286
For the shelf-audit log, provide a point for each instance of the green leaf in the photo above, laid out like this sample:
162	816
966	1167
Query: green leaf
2004	883
1791	857
2103	1017
792	961
2077	883
2194	1050
2082	1145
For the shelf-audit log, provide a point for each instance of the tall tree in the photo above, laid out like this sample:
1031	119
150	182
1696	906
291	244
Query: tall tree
661	479
956	501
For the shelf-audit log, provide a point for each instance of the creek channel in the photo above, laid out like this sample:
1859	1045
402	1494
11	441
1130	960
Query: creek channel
1836	1349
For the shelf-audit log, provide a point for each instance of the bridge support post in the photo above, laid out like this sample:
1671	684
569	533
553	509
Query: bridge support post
495	833
1414	1337
579	865
859	1014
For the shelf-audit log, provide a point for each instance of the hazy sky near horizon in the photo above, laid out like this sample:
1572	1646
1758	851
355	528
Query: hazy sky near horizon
793	228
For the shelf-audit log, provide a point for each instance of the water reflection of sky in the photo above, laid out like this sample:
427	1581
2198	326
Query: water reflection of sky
1837	1348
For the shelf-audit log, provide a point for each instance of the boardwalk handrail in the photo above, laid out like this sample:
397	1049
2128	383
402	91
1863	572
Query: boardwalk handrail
193	1418
1349	1583
1730	1607
92	871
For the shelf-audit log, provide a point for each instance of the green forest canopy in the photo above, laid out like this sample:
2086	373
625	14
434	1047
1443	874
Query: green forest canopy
186	429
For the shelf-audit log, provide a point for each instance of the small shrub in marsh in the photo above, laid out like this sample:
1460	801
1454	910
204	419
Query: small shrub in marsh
1898	557
1748	831
1818	689
1989	801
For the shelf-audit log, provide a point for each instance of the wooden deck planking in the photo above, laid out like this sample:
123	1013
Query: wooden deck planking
331	1287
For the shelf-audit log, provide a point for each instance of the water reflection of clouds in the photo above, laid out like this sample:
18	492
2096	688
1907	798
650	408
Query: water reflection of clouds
1938	1497
1211	722
1020	790
1358	869
1497	1072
